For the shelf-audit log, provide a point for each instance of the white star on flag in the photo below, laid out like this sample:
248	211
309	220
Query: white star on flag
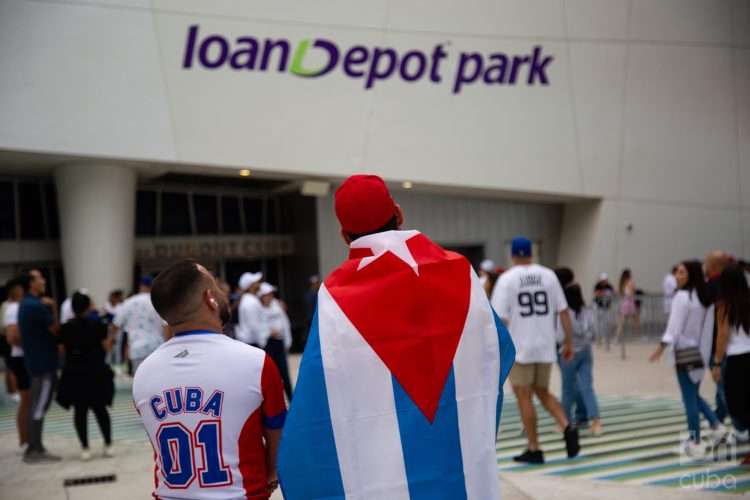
389	241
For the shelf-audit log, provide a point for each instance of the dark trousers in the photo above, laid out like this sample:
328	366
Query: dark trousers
80	419
276	351
737	391
42	389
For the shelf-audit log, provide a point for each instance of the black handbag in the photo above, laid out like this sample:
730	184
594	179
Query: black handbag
688	359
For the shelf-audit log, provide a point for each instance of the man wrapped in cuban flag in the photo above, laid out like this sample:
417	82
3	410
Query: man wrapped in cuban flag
400	388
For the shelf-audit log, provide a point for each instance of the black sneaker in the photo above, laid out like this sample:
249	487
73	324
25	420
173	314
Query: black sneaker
39	457
530	457
572	445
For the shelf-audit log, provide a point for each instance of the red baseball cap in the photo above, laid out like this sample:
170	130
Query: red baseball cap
363	204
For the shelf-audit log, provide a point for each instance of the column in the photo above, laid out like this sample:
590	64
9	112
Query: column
96	204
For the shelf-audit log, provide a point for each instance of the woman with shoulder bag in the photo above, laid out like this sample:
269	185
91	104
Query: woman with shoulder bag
685	333
733	340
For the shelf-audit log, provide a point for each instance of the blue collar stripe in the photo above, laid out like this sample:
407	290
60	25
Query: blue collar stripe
194	332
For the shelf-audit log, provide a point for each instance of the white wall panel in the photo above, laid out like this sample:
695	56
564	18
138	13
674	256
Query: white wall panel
329	12
524	18
669	233
598	81
600	19
681	21
680	131
81	79
742	92
500	135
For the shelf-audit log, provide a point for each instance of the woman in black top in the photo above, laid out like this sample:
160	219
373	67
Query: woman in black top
87	381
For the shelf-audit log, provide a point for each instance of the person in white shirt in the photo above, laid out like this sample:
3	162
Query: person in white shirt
249	310
529	299
146	329
15	361
689	332
669	287
733	342
213	407
276	332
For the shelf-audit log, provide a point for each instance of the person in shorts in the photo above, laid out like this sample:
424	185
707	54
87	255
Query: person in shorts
529	299
15	362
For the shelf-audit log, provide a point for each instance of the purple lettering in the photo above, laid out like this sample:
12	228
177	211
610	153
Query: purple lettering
203	55
355	55
518	61
468	61
244	58
496	72
437	55
413	55
377	73
268	47
187	61
538	68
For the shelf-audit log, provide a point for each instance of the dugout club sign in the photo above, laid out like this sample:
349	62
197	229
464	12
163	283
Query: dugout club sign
319	57
222	247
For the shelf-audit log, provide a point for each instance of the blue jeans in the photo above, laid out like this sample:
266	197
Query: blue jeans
578	383
581	417
694	405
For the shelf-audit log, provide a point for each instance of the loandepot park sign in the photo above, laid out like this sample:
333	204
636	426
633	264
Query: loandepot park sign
371	65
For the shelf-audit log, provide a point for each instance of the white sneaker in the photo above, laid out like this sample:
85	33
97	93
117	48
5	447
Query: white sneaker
735	437
109	452
693	450
85	455
718	435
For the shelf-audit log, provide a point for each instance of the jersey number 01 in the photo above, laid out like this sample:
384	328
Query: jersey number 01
177	448
533	304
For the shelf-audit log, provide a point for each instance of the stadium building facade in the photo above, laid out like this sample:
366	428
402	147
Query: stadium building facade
612	133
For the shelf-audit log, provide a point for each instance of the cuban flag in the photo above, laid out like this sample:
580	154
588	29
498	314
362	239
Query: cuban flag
400	387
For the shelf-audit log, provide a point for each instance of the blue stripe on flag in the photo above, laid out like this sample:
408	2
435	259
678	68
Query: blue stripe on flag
507	358
432	452
308	464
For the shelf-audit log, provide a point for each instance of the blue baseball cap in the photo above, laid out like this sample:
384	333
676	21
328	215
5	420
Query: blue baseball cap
520	247
147	281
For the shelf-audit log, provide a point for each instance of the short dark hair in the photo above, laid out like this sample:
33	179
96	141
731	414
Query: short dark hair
174	292
391	225
80	302
14	282
25	279
565	276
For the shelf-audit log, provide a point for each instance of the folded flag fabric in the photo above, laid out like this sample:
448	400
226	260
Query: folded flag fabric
400	387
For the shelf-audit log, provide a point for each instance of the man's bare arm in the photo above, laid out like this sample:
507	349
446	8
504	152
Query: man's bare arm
272	437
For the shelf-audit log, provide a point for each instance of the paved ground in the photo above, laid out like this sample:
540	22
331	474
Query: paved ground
635	458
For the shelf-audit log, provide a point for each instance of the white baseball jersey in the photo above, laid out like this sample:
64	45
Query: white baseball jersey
529	298
204	399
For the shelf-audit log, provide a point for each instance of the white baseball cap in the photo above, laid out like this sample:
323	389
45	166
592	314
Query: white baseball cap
487	266
603	277
248	279
265	289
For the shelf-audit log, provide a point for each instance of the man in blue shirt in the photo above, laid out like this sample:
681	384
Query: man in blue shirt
37	322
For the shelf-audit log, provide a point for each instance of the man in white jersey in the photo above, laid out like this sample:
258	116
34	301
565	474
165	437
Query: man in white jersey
213	407
528	298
